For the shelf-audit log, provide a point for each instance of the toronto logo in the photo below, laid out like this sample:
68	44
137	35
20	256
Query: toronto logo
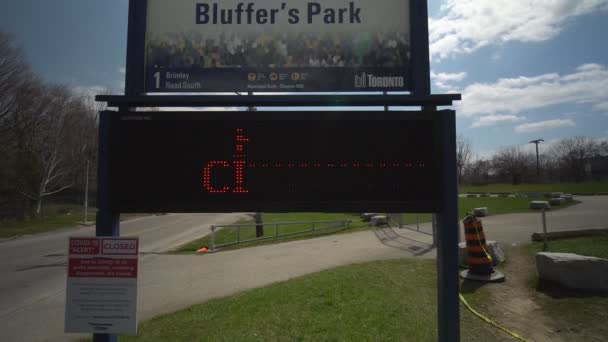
370	81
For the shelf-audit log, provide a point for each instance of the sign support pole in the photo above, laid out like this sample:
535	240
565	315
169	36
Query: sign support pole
108	219
447	235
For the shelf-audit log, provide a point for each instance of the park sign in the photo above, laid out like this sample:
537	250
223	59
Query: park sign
275	161
277	46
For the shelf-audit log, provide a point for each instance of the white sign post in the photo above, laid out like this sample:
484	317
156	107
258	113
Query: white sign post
101	294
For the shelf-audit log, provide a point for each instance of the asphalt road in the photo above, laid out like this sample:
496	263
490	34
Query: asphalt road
33	269
514	229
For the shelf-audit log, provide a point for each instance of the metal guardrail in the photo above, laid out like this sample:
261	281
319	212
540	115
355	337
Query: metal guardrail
314	226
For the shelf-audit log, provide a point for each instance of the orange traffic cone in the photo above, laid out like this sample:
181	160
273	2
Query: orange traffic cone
480	261
203	249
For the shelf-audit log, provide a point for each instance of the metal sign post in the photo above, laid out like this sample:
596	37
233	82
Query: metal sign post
447	239
108	218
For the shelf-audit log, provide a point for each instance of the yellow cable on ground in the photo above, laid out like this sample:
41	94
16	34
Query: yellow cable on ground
489	321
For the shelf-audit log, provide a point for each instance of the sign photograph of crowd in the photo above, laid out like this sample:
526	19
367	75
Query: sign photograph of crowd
277	46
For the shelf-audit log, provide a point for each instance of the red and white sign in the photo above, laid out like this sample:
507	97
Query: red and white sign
101	292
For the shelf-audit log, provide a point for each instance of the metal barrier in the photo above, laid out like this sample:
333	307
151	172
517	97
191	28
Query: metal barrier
314	226
396	219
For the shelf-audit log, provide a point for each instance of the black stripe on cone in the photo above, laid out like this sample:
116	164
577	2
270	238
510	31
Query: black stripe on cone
480	262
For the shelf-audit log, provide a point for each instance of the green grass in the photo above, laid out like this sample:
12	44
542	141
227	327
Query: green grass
379	301
595	246
496	206
55	217
583	187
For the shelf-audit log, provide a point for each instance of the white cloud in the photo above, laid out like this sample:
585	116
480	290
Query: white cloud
541	126
491	120
448	77
467	25
445	81
588	84
601	107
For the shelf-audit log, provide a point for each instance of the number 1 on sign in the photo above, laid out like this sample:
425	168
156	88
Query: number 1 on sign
157	78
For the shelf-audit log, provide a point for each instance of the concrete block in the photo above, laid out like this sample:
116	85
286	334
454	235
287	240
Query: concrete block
569	198
553	194
573	271
379	220
557	201
481	212
493	248
366	217
540	205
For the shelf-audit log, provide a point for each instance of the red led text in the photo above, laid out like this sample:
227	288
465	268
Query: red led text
238	164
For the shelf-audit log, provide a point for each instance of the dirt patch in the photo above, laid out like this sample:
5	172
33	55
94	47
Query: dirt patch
516	305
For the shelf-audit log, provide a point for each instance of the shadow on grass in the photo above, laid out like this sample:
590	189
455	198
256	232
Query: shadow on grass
389	237
471	286
557	291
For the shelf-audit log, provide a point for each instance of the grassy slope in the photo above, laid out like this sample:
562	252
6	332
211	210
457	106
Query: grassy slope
378	301
56	217
585	187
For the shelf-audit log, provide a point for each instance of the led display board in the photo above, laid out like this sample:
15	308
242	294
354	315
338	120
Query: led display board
277	45
275	161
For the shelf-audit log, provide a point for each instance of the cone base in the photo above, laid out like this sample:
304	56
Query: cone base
496	277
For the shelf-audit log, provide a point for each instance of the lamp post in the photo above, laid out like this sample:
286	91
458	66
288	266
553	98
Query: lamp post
536	142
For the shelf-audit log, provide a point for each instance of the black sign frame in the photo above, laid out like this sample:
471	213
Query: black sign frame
137	190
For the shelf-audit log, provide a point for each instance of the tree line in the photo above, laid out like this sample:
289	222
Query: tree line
573	159
48	136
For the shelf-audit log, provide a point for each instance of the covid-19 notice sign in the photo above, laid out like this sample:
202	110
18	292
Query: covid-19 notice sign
101	294
277	45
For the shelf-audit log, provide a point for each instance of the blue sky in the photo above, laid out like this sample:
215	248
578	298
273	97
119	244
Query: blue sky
526	69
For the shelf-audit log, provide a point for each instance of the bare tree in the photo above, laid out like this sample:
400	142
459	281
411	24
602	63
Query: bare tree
572	155
48	144
13	73
511	162
463	155
602	148
479	171
46	135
